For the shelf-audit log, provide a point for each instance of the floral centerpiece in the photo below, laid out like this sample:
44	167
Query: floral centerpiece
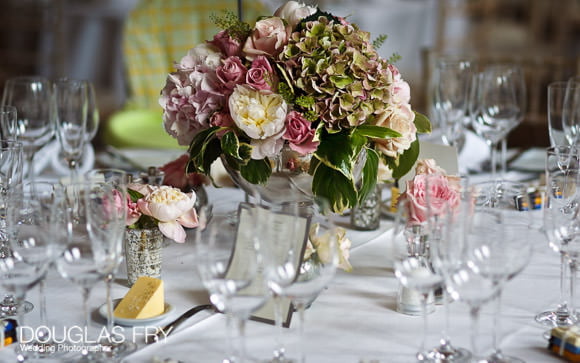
301	79
318	245
163	207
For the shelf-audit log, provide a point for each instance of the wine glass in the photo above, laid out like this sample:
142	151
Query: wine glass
93	117
32	97
28	222
227	262
562	172
320	261
497	105
453	77
71	103
88	232
510	202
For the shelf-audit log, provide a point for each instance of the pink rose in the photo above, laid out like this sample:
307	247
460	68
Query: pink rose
221	119
176	176
231	73
299	133
260	76
268	38
226	44
435	188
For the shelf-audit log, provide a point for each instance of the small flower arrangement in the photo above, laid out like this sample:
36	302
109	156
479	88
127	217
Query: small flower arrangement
442	189
176	177
317	248
163	207
304	79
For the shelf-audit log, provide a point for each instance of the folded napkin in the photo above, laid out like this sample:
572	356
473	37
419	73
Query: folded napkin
50	156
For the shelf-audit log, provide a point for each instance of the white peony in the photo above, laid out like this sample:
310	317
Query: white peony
260	115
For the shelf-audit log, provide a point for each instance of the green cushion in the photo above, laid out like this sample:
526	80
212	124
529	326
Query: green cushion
138	129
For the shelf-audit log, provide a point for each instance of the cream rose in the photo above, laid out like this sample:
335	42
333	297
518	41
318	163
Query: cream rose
399	118
293	12
428	166
321	243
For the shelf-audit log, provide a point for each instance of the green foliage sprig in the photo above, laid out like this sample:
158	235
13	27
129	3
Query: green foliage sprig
229	21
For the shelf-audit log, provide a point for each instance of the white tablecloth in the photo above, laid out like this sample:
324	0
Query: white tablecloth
353	319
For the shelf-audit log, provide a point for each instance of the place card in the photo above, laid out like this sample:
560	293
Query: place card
293	244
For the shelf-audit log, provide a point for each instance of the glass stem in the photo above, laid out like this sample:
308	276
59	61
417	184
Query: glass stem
496	332
108	286
444	337
301	308
564	293
474	315
493	159
42	302
30	161
240	353
280	351
22	338
87	314
424	299
573	269
504	157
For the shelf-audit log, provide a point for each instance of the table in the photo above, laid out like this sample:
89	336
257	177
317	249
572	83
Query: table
353	320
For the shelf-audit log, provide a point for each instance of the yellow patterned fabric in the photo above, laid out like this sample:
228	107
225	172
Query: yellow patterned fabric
157	34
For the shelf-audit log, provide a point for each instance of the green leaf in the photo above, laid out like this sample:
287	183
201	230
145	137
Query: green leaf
378	132
135	195
335	187
198	149
369	174
211	152
256	171
422	123
230	144
407	160
339	150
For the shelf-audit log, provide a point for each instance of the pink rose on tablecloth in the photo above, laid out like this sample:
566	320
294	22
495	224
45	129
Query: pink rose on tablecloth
226	44
293	12
261	76
270	35
299	133
432	187
231	73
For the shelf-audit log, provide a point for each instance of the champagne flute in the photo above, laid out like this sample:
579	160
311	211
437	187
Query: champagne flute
117	180
571	111
562	128
227	262
32	97
7	122
71	102
453	79
88	234
497	105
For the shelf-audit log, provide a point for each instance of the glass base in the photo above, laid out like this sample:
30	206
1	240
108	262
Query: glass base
499	357
10	309
447	353
556	318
